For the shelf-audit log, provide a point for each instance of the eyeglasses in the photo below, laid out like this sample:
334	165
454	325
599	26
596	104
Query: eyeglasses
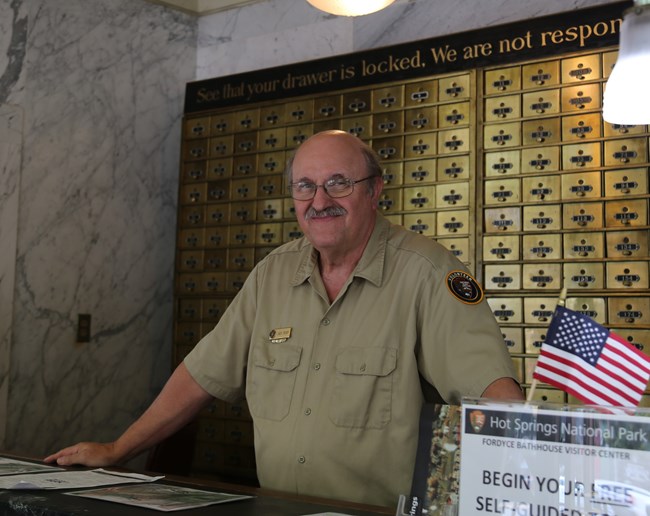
335	188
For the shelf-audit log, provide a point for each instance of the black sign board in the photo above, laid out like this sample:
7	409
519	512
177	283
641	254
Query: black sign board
573	31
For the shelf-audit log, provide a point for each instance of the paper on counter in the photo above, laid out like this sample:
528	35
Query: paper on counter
14	467
72	479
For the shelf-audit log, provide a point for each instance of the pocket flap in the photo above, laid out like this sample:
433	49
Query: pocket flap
279	357
367	361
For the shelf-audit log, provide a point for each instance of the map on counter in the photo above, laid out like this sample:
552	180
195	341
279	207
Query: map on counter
71	479
13	467
160	497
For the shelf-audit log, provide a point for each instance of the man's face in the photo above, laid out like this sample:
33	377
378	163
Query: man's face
335	225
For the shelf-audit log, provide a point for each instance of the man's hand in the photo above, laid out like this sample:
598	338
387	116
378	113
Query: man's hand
94	455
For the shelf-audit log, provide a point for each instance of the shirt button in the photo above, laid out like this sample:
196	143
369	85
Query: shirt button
316	366
326	322
301	459
363	367
307	411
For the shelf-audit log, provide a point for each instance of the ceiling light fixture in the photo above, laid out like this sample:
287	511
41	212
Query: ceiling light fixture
626	100
350	7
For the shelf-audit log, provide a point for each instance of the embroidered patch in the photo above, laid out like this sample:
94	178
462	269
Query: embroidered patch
464	287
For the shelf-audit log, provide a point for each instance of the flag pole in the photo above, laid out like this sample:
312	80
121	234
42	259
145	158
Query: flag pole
560	302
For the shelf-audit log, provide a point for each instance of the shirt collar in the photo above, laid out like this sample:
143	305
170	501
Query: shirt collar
371	265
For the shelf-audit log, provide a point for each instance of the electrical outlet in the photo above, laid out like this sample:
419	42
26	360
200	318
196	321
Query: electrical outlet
83	328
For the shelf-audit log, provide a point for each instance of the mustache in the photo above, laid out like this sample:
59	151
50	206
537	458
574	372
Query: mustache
330	211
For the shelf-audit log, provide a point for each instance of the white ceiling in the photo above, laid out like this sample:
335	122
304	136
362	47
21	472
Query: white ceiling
203	7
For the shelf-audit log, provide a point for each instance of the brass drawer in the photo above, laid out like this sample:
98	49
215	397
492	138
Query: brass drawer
241	259
218	190
213	282
392	174
632	181
585	155
614	130
243	166
543	218
191	238
593	307
187	334
246	120
421	93
296	134
579	69
390	200
538	75
243	212
213	309
422	223
453	168
609	60
539	310
542	276
291	231
541	189
195	149
216	237
546	246
420	171
583	276
513	337
271	162
300	111
629	310
502	191
627	275
584	245
501	136
219	169
585	185
504	163
356	102
235	281
245	142
420	145
501	220
390	97
501	248
193	193
459	247
216	259
502	80
191	215
189	309
268	233
581	127
387	123
272	116
626	214
421	119
190	260
451	223
242	235
288	209
270	186
453	115
452	195
582	215
194	171
631	151
502	108
269	209
502	277
640	339
507	310
243	189
542	131
360	126
421	198
581	98
327	107
454	87
454	140
538	103
273	139
389	148
627	244
222	123
535	160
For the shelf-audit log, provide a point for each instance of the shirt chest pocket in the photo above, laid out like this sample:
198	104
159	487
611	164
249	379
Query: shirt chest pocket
271	379
363	389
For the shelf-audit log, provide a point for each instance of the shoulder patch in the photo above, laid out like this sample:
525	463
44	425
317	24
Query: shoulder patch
464	287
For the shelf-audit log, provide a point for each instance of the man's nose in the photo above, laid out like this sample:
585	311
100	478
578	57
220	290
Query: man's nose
321	199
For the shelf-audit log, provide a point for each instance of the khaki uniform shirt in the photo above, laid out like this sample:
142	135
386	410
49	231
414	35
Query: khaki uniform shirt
336	405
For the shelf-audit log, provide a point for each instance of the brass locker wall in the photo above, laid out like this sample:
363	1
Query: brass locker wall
511	168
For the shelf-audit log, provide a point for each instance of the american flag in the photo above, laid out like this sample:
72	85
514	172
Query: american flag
590	362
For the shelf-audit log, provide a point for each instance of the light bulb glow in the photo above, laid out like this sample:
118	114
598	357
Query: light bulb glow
626	100
350	7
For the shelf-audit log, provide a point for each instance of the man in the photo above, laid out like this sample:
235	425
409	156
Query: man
328	341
